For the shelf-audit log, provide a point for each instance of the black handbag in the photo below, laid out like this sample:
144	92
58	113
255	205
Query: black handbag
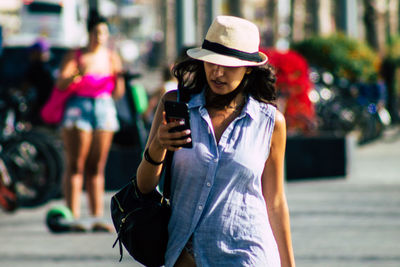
141	220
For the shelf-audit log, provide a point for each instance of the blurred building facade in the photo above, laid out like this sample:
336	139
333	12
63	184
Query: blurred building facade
175	24
9	16
184	22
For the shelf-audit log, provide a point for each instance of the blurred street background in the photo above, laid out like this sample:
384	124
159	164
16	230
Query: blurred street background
337	66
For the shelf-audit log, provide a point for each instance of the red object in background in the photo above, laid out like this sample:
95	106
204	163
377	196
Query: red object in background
8	197
293	85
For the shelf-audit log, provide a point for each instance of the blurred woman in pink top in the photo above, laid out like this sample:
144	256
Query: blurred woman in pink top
90	118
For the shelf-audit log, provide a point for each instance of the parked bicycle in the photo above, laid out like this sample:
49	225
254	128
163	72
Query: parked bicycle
342	106
32	159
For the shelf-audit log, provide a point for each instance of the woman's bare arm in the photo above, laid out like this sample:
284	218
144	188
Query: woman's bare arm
119	89
69	71
160	140
274	195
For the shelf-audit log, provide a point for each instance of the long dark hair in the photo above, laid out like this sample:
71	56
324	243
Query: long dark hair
259	83
94	19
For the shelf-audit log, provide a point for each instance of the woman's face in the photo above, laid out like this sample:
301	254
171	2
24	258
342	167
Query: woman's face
223	80
100	34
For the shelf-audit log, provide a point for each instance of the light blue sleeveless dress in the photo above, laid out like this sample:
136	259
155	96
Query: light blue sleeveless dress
216	192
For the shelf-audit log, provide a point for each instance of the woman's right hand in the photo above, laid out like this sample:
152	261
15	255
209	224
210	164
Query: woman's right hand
76	77
160	140
69	71
171	140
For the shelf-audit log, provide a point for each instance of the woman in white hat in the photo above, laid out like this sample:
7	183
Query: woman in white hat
227	193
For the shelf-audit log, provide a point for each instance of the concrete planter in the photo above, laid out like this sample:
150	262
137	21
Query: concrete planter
323	156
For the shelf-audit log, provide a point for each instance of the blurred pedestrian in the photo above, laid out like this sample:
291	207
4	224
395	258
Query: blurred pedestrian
38	80
90	117
227	192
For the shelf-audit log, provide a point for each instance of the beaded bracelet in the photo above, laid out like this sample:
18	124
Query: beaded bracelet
149	159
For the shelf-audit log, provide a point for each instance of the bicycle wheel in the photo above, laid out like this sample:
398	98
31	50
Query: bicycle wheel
55	148
32	169
8	197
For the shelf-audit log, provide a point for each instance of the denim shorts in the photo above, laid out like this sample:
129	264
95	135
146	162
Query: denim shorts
89	114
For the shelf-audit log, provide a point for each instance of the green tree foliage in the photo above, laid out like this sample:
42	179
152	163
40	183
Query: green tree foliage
393	49
341	55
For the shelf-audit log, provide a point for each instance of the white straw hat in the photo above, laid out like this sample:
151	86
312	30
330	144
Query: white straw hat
232	42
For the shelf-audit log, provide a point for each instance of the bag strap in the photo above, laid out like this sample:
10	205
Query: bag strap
167	174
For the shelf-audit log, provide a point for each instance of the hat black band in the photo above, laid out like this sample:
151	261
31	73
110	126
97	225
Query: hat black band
223	50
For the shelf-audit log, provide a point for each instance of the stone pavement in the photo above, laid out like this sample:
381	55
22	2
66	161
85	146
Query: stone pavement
351	221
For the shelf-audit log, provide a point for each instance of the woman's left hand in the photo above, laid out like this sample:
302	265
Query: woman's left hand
119	89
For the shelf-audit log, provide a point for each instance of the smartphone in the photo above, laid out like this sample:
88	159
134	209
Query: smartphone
176	111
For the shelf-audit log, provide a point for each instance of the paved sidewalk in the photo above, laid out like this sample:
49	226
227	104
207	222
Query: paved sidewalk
27	242
352	221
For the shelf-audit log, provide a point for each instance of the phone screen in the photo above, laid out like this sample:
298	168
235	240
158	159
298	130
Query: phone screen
178	111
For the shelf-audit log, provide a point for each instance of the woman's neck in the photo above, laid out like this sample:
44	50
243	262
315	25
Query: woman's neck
237	103
94	47
234	105
232	101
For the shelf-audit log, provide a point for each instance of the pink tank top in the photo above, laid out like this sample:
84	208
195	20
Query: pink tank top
94	85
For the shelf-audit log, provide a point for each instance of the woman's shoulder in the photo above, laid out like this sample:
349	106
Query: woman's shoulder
267	109
279	117
113	54
170	96
280	122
